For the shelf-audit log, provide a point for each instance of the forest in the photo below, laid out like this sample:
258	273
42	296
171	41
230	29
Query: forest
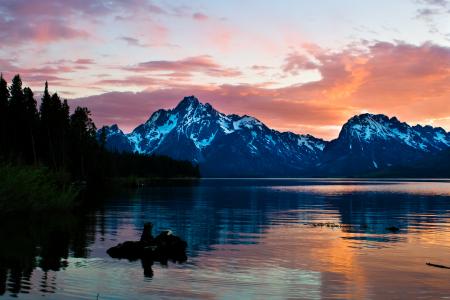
48	151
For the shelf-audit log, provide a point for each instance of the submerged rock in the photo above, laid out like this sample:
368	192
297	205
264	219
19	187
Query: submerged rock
162	248
393	229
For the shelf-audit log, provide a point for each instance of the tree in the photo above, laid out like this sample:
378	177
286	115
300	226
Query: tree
17	107
4	103
31	120
64	129
103	137
83	139
51	112
68	143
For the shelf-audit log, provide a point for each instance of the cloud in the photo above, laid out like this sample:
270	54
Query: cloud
48	21
296	62
398	79
128	81
132	41
440	3
430	10
198	16
84	61
43	21
185	67
18	31
54	71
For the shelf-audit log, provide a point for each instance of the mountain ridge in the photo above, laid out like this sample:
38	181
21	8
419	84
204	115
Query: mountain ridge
242	146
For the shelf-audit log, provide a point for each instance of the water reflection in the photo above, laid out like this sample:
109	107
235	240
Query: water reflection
43	242
246	238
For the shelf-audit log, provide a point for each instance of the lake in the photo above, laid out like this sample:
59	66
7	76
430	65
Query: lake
247	239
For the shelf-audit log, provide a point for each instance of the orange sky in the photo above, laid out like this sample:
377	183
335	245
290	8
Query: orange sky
294	72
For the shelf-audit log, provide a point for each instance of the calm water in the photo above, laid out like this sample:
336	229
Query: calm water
248	239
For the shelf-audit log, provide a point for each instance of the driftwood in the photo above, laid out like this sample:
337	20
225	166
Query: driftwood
437	266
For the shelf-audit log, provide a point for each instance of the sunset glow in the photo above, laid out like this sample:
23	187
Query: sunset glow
295	65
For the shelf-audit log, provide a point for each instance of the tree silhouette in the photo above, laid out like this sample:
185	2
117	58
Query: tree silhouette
31	121
4	99
17	117
83	139
68	143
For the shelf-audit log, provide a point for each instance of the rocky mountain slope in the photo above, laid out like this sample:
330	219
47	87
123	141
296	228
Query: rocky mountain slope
223	145
242	146
370	142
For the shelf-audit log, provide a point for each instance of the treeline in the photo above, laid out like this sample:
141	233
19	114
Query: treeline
53	137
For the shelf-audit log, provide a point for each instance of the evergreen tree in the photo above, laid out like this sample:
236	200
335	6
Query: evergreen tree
17	107
83	139
51	136
57	130
4	99
67	142
64	130
31	122
103	137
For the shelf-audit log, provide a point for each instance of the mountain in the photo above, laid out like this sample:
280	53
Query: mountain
242	146
115	139
433	166
223	145
370	143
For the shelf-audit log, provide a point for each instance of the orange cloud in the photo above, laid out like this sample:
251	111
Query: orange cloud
411	82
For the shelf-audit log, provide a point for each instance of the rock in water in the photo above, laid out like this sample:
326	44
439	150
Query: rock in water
393	229
147	236
164	247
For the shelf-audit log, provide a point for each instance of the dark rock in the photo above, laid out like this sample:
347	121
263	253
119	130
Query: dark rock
147	236
393	229
164	247
131	249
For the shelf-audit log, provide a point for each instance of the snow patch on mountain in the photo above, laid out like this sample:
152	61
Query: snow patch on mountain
367	128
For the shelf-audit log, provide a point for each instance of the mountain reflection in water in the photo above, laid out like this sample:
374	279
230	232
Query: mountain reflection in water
251	238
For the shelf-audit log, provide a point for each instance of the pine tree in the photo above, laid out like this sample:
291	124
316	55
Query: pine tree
64	130
50	112
83	138
4	103
31	119
17	107
103	138
4	95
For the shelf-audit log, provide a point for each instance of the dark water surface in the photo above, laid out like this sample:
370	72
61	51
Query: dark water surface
248	239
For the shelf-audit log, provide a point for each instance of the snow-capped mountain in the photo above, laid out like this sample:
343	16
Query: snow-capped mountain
238	146
223	145
368	143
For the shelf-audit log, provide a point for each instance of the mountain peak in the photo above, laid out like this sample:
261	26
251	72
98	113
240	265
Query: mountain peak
368	117
187	102
113	129
370	128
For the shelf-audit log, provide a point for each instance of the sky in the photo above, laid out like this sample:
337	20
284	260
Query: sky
296	65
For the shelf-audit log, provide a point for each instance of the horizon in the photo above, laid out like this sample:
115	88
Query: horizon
291	71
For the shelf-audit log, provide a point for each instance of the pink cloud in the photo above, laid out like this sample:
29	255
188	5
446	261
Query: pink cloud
84	61
46	21
202	64
296	62
408	81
